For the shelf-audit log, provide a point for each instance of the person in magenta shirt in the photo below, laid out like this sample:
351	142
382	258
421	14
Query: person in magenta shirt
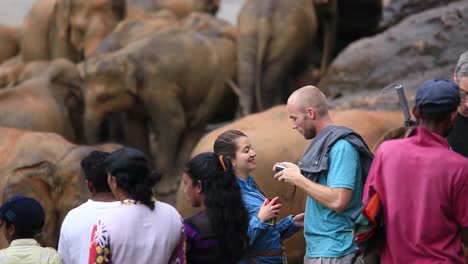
423	184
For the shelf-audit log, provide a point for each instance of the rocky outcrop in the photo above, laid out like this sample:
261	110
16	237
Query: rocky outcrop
397	10
421	47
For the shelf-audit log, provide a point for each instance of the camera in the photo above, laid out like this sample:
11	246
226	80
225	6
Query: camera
279	167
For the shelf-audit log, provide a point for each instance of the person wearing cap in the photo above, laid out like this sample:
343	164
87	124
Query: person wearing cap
78	223
21	219
140	230
458	135
423	184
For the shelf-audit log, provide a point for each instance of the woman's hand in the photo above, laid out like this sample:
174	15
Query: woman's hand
299	220
269	210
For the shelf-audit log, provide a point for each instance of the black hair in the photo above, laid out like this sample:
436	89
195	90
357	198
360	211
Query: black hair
225	144
21	232
435	116
131	170
95	171
223	202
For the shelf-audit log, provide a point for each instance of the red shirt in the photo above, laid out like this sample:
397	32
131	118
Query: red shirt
423	186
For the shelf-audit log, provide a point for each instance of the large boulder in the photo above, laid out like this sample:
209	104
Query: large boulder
274	140
397	10
421	47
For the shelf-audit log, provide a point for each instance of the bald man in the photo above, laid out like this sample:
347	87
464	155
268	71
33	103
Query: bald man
331	172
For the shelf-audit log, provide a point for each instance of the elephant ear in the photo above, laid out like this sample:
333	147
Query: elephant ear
64	72
66	83
134	76
62	15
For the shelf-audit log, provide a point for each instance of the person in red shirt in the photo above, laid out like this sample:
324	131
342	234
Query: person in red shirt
423	184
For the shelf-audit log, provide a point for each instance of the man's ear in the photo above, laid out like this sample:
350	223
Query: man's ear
310	112
11	230
453	115
416	113
90	187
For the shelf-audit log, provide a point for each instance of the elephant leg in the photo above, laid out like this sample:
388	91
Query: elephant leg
168	123
190	139
274	84
135	130
246	53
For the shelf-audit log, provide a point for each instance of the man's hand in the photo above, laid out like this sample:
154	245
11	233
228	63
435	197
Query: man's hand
292	173
299	220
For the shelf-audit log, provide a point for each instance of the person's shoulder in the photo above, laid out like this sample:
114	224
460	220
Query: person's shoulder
50	255
166	207
74	213
3	256
392	144
342	145
456	159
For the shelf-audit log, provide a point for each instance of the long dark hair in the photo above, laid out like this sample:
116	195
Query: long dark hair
223	202
131	170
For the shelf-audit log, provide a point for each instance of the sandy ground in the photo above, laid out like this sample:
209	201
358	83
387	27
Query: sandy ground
13	11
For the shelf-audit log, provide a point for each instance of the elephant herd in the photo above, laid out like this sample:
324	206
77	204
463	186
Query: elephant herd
151	74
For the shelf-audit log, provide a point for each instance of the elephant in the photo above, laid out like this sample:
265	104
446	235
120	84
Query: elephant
69	29
130	30
9	46
274	140
177	77
274	46
14	74
181	8
44	166
48	102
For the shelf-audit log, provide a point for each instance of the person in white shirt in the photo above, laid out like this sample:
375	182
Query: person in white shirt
141	230
76	228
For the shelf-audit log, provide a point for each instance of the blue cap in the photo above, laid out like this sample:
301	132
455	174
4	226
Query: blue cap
26	214
437	96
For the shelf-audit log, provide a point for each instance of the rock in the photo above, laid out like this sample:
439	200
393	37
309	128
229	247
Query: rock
421	47
397	10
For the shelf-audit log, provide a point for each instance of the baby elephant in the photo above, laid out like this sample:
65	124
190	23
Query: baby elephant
177	76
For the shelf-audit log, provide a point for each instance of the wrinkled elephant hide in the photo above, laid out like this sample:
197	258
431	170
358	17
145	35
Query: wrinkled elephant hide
46	167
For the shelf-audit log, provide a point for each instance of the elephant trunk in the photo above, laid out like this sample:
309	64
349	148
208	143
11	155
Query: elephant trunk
92	125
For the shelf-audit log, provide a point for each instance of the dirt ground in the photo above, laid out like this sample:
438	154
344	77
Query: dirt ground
13	11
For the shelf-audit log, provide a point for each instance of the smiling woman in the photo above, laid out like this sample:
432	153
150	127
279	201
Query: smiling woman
265	234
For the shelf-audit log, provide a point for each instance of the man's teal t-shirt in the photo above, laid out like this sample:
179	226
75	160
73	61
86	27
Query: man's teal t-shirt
328	233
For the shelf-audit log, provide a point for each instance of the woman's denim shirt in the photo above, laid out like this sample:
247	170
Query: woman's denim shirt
263	236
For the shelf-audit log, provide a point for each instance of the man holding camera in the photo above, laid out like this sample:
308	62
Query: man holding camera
423	184
331	172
